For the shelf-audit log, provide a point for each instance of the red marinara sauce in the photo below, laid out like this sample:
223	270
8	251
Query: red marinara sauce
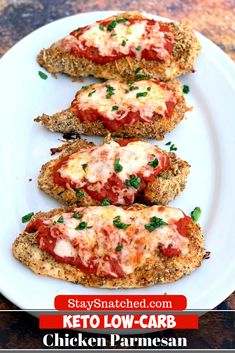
132	117
114	184
183	228
47	235
153	53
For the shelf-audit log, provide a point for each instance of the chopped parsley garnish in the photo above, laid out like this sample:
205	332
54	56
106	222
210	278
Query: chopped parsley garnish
153	163
155	223
92	92
145	247
124	43
82	225
113	34
173	148
130	83
117	222
119	248
84	166
101	27
77	215
78	29
132	88
117	166
138	48
165	175
186	89
137	70
85	87
112	25
27	217
42	75
121	20
139	76
79	193
133	182
54	222
148	88
110	91
141	94
60	219
115	107
195	214
105	202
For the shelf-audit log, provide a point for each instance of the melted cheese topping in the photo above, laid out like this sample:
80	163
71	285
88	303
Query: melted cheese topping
126	37
99	161
125	99
102	237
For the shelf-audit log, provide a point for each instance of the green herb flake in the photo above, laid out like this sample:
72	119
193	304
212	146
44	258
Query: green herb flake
54	223
148	88
79	193
195	214
111	25
165	175
141	94
81	226
117	166
27	217
145	247
173	148
138	48
78	29
110	91
85	87
42	75
186	89
92	92
115	107
113	34
133	88
101	27
124	43
105	202
153	163
130	83
84	166
77	215
117	222
133	182
119	248
155	223
138	69
60	219
168	143
139	77
121	20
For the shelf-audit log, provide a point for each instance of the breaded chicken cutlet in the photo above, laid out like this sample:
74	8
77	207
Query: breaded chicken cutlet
117	172
118	46
112	247
143	108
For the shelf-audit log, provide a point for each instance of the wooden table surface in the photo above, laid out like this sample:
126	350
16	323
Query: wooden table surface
214	18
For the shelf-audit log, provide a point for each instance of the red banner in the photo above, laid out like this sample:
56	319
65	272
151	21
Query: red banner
120	302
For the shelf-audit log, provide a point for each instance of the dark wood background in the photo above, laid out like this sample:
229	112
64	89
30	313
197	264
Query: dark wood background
214	18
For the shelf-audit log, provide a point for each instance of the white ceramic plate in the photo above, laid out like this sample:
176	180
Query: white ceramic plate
206	139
